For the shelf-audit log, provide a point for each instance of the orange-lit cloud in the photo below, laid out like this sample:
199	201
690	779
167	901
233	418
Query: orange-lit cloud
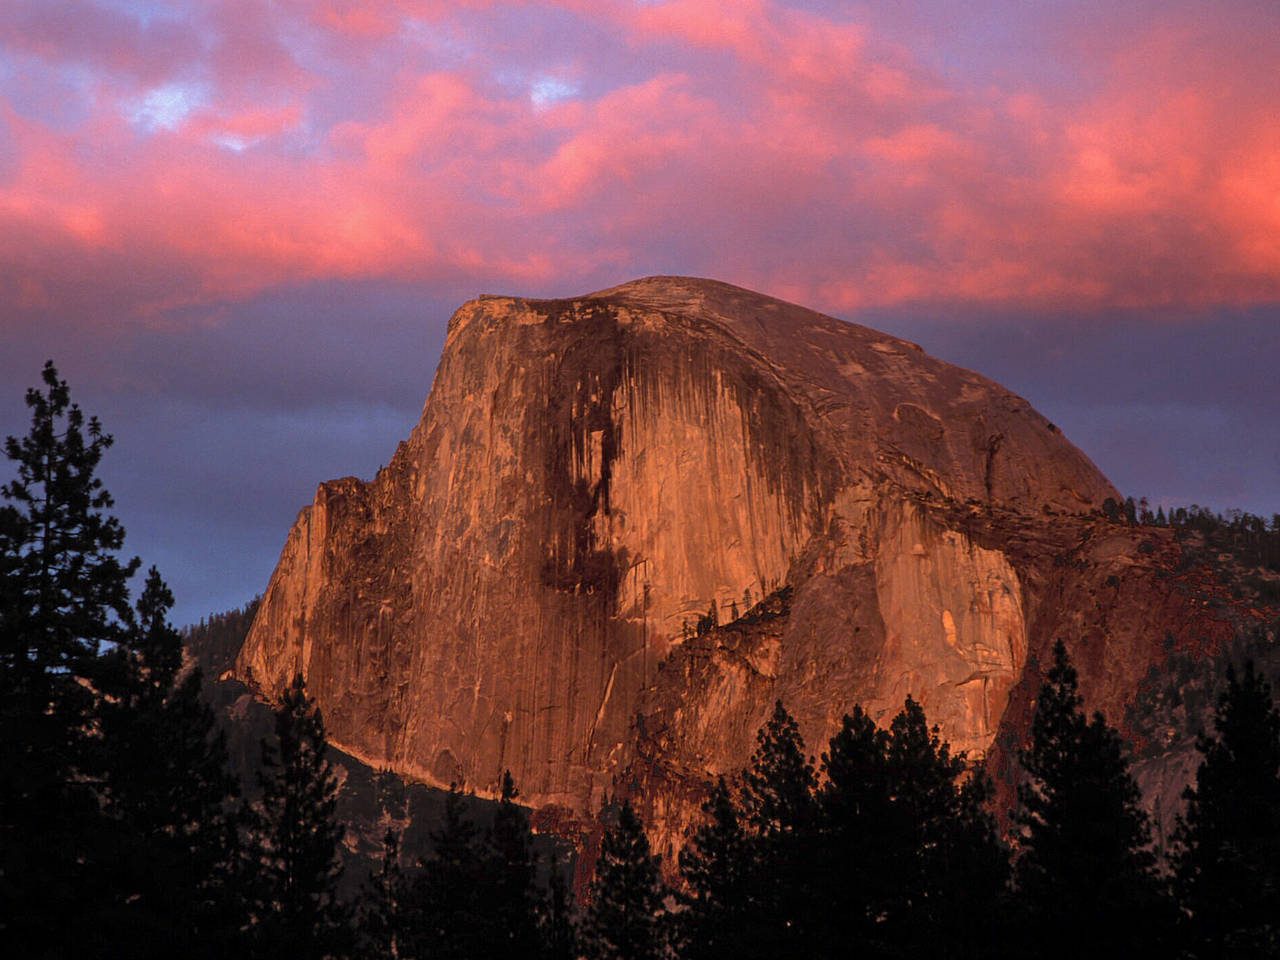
215	150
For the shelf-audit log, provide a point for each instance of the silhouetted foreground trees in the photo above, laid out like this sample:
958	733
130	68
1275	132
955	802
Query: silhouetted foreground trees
1227	845
1086	880
117	817
123	835
885	848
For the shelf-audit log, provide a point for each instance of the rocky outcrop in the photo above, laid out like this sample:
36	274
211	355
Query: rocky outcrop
591	477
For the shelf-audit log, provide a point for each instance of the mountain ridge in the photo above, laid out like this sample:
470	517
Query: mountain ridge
593	475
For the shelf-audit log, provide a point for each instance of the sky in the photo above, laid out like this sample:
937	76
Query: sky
239	226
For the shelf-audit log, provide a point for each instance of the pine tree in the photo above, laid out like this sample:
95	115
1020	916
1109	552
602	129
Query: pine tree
117	814
1227	847
716	866
624	919
168	794
296	911
556	927
443	914
778	787
382	920
508	892
945	861
779	804
912	817
63	596
1086	878
857	817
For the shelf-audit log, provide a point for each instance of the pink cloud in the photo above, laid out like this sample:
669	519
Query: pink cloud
355	18
768	145
623	142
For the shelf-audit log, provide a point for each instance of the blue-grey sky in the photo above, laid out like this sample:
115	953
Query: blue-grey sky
223	430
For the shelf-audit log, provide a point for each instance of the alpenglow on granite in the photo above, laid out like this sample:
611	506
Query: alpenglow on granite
529	585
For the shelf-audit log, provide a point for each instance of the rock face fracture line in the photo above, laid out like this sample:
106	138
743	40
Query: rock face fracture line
896	519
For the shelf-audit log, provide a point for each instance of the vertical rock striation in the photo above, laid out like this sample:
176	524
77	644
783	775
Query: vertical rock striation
590	477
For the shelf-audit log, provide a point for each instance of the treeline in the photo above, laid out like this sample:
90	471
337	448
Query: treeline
122	834
1173	704
217	638
1254	539
887	848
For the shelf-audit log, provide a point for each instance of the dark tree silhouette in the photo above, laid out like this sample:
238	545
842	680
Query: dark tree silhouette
624	918
717	865
1227	847
1085	874
778	787
171	800
382	906
476	894
779	806
857	814
945	861
930	867
295	840
443	913
63	595
556	925
509	897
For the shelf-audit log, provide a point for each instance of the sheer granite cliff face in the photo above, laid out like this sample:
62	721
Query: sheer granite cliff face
590	476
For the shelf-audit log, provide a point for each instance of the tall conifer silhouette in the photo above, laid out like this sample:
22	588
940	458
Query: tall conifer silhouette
1227	847
718	867
1085	875
624	919
382	920
557	926
444	917
168	792
780	807
509	895
63	597
296	863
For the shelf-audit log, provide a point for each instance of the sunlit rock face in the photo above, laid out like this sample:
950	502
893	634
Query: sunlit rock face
590	476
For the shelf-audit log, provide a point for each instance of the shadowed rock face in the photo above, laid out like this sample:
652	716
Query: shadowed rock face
590	476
